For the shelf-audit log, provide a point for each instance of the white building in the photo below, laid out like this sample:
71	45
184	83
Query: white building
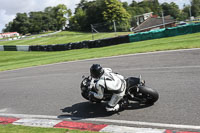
9	34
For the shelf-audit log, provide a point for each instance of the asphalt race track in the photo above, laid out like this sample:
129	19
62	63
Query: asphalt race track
54	89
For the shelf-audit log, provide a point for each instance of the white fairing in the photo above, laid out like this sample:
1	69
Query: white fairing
110	81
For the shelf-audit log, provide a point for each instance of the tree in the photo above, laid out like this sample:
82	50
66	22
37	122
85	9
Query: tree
94	12
52	18
195	8
99	11
36	20
140	10
144	7
185	13
77	22
82	5
80	21
19	24
8	27
171	9
125	5
61	14
151	6
133	4
114	11
147	9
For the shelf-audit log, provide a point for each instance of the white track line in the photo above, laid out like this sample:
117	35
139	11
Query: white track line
123	129
162	125
37	122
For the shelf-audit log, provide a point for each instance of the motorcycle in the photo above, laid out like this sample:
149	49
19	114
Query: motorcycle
135	91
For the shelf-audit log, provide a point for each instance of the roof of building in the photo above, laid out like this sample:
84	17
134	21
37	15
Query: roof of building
8	33
155	21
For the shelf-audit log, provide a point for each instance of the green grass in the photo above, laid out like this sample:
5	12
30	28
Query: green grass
62	38
13	60
23	129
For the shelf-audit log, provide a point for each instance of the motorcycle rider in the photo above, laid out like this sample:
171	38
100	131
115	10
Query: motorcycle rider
106	79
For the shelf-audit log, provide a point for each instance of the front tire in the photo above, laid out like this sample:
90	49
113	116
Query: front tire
150	94
94	100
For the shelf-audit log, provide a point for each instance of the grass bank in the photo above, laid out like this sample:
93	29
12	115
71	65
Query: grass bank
62	38
23	129
13	60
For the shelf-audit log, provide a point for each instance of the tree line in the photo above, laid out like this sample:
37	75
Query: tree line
97	11
51	19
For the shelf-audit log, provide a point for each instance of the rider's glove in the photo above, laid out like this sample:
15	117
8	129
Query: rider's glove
91	95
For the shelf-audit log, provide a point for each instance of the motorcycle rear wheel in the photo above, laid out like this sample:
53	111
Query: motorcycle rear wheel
150	95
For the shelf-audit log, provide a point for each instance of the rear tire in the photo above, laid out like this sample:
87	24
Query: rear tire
150	94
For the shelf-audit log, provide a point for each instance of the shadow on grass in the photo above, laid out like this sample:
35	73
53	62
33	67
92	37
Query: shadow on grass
86	110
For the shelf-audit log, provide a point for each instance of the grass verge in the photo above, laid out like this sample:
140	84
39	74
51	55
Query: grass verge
61	38
23	129
13	60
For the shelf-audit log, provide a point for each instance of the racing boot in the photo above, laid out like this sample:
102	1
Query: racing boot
111	109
